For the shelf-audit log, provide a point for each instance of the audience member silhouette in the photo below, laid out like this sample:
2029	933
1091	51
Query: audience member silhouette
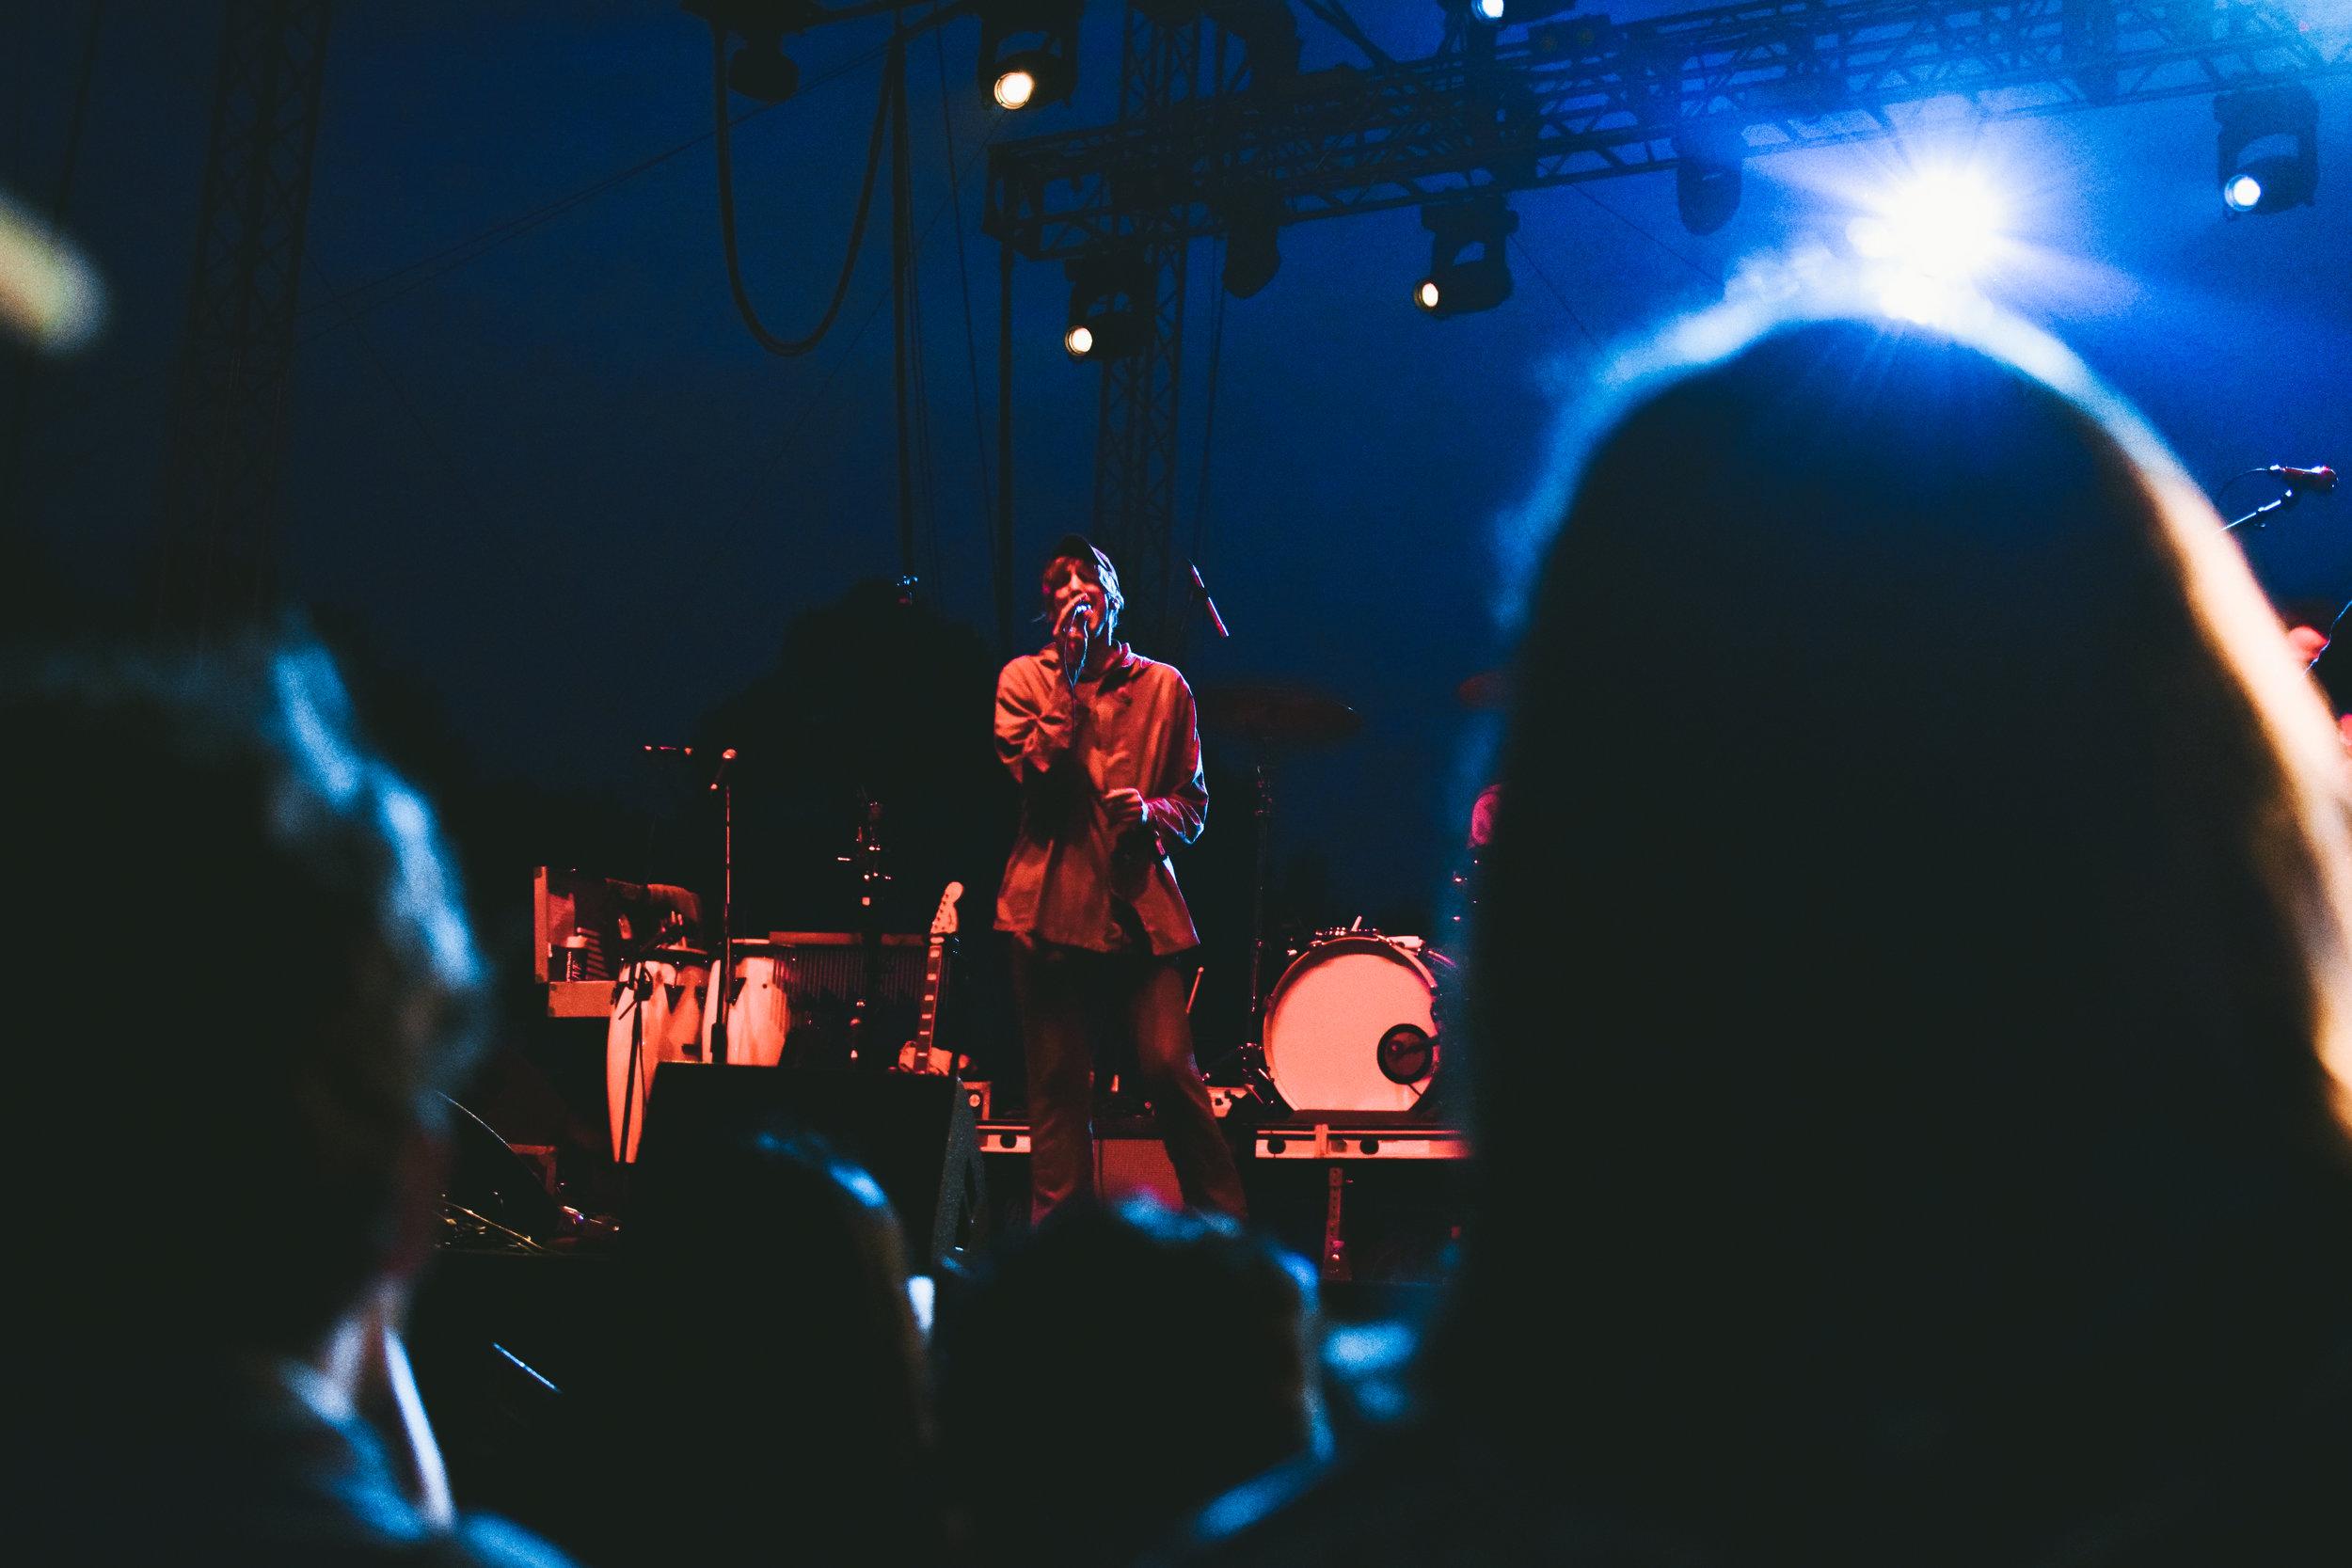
243	974
1113	1370
1905	1125
768	1387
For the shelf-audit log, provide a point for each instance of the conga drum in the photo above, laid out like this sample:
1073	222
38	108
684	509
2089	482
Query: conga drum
657	1017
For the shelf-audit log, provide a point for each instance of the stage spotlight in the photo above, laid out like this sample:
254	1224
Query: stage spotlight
1468	268
1707	162
2269	147
1251	256
1110	305
1510	13
1942	223
1028	51
761	69
1014	89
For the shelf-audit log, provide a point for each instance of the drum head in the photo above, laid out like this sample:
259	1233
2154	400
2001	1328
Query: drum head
1327	1016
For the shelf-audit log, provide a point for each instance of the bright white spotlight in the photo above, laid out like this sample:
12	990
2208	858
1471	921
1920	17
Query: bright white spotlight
1943	224
1079	340
2243	193
1425	293
1489	11
1014	89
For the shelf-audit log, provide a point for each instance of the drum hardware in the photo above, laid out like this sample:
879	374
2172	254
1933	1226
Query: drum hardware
1407	1055
1269	716
867	855
645	981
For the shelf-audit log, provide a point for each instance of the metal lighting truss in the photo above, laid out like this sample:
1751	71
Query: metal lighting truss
1584	99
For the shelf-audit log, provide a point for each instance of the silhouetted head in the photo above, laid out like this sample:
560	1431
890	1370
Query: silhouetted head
1116	1370
773	1354
244	979
1906	1007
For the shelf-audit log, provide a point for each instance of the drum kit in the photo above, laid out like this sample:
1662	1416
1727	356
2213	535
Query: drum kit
1354	1022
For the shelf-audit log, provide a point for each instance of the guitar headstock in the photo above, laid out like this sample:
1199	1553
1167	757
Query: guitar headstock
943	923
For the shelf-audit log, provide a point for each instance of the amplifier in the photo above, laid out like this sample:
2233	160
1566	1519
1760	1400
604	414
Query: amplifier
822	973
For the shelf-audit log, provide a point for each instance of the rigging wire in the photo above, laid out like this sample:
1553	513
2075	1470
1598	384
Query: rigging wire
1714	278
1208	418
467	250
818	398
1537	268
963	279
791	348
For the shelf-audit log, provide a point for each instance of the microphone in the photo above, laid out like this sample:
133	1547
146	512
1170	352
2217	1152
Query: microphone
1217	622
720	777
2321	479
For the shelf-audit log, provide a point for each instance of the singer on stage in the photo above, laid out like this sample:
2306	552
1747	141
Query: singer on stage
1104	745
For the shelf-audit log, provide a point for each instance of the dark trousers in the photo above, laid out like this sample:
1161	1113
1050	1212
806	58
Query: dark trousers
1056	990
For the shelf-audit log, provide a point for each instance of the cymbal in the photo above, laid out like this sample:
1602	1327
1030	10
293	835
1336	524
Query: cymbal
1278	713
1486	692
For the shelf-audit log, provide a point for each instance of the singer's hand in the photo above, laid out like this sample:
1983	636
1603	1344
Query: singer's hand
1128	808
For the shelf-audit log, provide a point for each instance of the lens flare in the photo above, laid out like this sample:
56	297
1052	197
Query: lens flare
1945	223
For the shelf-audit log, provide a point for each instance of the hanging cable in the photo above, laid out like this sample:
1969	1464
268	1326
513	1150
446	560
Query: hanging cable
1208	421
901	245
792	348
384	289
1005	598
1537	268
773	458
963	279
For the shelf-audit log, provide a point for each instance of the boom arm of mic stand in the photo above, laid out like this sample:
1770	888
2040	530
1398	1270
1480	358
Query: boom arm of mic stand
2261	515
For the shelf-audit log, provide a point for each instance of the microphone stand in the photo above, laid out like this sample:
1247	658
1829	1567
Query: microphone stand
724	991
2261	515
1250	1054
633	979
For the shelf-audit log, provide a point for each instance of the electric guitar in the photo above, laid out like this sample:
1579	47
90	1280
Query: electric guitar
923	1053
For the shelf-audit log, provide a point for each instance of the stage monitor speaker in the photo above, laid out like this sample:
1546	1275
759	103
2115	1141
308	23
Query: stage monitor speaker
913	1132
838	985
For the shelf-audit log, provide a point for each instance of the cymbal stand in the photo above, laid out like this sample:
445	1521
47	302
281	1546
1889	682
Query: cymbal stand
723	988
1250	1056
868	857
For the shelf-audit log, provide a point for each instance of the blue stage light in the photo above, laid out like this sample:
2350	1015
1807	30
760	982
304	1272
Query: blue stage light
2243	192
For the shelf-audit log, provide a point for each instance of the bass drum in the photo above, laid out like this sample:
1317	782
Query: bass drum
1352	1026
